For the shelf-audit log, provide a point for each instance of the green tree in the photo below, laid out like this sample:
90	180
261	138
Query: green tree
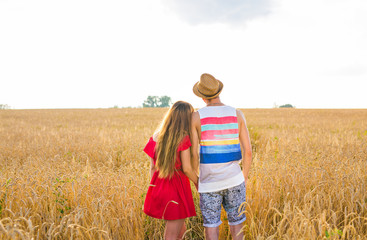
164	101
155	101
151	101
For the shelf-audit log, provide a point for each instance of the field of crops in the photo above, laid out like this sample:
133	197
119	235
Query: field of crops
82	174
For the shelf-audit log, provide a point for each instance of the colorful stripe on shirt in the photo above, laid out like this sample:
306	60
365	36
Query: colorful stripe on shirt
219	140
215	120
214	134
215	143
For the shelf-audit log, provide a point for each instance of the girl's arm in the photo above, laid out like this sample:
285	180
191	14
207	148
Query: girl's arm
195	136
152	168
186	166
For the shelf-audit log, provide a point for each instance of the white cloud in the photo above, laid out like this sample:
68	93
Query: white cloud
219	11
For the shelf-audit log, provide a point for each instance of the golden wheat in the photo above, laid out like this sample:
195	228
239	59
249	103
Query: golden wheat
82	174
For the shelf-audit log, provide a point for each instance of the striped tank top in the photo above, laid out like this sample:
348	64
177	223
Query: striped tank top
220	149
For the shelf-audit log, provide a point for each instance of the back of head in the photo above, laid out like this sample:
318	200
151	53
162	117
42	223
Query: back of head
175	126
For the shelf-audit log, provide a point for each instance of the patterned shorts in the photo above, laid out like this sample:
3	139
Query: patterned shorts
231	198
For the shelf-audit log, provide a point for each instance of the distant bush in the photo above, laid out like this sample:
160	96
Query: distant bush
287	106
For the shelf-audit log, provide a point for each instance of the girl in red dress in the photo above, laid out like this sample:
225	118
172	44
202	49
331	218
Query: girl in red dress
169	194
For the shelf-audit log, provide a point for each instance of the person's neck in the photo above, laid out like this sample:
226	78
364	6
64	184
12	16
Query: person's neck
214	102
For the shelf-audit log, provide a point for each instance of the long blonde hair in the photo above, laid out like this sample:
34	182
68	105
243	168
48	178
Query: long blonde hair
175	126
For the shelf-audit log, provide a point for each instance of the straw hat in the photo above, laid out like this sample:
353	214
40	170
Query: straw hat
208	87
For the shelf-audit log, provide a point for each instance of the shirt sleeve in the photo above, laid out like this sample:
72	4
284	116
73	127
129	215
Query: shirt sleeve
185	144
150	148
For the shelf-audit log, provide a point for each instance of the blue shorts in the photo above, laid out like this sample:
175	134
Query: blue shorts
231	199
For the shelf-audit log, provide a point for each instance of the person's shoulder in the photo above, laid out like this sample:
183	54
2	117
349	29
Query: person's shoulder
240	116
195	119
195	116
239	112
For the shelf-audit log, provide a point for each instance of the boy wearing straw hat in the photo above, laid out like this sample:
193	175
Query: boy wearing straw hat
221	131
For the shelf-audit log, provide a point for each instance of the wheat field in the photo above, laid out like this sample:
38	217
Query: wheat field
82	174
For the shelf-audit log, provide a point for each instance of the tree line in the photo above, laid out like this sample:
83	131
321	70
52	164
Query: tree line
155	101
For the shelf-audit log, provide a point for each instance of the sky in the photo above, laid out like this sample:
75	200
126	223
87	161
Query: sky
100	54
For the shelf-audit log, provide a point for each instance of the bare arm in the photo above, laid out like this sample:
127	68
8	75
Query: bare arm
152	168
245	144
186	166
195	136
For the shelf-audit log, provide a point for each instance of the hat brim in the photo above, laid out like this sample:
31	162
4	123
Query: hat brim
199	94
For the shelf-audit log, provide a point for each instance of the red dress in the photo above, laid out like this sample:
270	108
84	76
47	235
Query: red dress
169	199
